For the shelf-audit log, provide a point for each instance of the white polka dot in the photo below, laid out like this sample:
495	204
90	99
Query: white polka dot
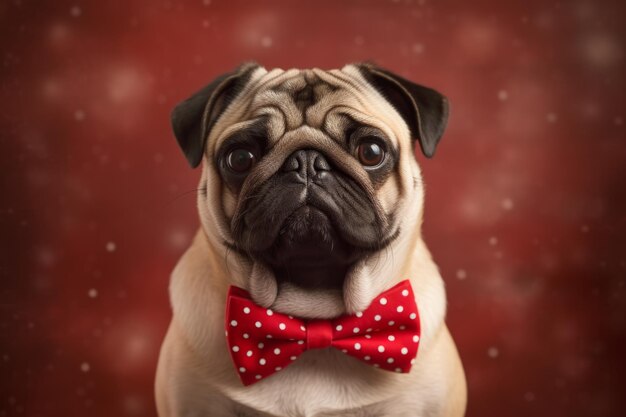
300	342
262	361
257	324
269	312
246	336
339	327
293	358
303	328
249	353
398	370
235	348
368	336
269	336
367	358
416	338
390	360
276	351
400	309
357	346
242	369
246	310
403	327
412	361
377	317
261	345
391	338
391	322
405	293
412	316
258	377
278	368
282	326
381	348
356	330
369	329
233	323
404	351
383	301
359	314
290	317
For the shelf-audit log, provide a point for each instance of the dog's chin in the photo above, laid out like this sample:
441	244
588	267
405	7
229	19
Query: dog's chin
309	253
304	271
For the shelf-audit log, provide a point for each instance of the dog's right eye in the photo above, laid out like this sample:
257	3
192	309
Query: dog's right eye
240	160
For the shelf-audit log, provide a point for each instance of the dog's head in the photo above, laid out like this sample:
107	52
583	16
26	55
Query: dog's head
310	180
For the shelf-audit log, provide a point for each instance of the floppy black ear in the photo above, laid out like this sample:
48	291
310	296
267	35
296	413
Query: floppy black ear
423	109
193	118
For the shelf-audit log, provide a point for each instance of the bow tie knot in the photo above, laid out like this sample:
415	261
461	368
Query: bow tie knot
262	342
319	334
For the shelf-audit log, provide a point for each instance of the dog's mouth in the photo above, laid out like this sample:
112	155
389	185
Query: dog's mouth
309	252
310	269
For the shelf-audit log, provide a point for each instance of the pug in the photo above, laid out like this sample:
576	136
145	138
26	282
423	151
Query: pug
311	203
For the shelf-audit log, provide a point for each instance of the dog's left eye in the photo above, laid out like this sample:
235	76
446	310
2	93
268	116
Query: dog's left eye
370	153
240	160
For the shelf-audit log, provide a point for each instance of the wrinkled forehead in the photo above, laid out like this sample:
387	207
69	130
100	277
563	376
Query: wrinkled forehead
328	101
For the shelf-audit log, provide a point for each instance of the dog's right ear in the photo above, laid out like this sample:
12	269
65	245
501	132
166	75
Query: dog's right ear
193	118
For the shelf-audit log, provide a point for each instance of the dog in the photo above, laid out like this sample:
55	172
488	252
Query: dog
311	204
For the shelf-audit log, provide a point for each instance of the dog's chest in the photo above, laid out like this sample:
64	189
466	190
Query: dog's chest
397	407
378	410
329	384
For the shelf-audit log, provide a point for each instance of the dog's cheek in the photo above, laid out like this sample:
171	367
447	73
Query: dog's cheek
389	193
229	202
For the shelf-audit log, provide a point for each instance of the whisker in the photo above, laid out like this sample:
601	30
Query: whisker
178	197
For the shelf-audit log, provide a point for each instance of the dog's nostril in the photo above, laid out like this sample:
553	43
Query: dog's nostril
320	163
291	164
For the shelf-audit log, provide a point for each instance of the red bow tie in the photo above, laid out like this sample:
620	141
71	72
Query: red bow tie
262	342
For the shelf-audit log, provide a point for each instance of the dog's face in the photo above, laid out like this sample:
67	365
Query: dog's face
310	178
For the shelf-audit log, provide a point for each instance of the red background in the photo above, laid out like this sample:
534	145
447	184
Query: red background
525	208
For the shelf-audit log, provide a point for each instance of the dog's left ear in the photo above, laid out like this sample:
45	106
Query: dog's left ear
193	118
423	109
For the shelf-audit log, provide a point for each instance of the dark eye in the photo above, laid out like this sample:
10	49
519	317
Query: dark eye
370	153
240	160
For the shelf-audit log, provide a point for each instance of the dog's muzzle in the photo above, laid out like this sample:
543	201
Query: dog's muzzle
309	221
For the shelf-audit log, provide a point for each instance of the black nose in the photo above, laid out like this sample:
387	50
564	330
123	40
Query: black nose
307	163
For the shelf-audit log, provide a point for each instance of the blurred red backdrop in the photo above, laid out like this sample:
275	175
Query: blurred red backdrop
525	209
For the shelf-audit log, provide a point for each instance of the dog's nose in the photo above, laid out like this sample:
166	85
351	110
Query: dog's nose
307	163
